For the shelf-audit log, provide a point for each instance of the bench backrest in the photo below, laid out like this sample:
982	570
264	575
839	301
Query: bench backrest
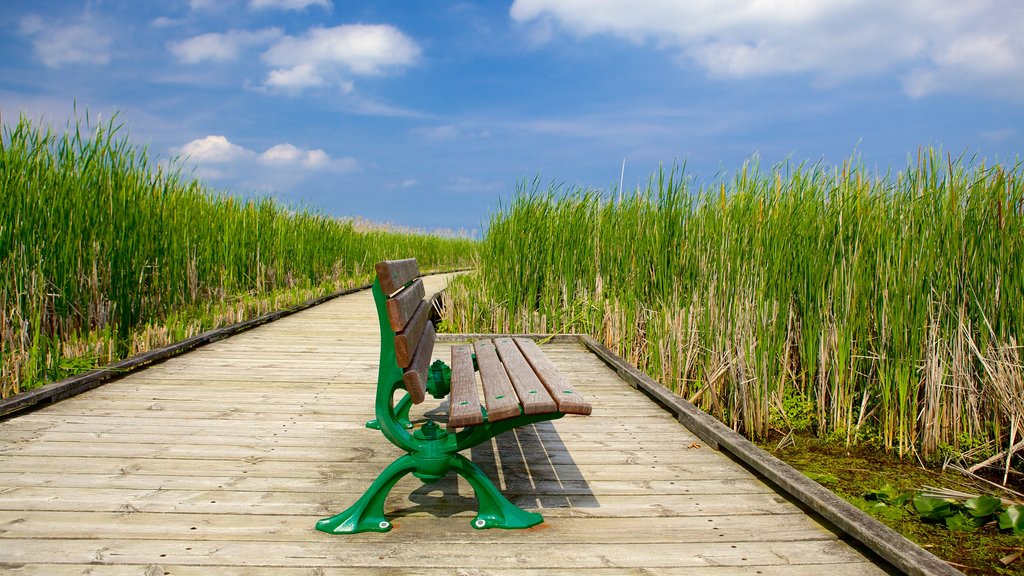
411	334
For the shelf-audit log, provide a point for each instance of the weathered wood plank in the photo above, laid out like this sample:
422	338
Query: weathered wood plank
393	274
416	374
407	340
464	400
404	304
569	400
499	396
532	394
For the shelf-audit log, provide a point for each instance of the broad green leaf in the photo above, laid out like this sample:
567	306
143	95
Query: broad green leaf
934	508
1012	519
983	506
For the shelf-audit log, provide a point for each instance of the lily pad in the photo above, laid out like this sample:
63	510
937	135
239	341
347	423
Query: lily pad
934	508
983	506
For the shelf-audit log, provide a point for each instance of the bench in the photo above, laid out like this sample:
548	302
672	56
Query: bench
519	384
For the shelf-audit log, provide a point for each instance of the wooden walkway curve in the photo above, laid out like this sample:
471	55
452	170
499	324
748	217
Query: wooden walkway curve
221	460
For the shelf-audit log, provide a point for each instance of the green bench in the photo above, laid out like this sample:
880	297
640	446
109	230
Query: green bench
519	383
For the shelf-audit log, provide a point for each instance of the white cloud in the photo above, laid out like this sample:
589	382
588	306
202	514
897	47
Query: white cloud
295	78
56	45
221	47
935	45
289	154
289	4
217	149
325	55
213	149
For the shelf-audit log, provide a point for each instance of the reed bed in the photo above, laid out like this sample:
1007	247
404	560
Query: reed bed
104	253
857	306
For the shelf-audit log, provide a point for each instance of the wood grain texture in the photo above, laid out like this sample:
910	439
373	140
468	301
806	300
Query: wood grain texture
393	274
464	400
221	461
407	340
569	400
499	395
404	304
415	376
532	394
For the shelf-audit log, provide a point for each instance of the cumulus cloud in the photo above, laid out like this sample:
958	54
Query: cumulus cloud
213	149
217	149
931	44
289	4
81	42
327	55
221	47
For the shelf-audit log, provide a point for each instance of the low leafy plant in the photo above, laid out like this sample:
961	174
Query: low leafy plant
958	516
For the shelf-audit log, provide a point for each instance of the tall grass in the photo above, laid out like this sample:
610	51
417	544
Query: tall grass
104	253
859	306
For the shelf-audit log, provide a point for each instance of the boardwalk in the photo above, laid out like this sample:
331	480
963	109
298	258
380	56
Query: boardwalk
221	460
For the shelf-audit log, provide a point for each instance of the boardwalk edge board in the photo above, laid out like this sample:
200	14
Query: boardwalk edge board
74	385
905	555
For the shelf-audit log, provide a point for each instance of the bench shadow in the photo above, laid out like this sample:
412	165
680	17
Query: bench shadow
531	465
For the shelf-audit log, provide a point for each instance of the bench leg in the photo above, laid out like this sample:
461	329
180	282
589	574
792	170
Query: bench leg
495	511
401	413
367	514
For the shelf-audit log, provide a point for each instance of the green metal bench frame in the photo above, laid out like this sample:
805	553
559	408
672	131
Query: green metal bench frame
431	451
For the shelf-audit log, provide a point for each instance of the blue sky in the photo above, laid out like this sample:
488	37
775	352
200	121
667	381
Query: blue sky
425	113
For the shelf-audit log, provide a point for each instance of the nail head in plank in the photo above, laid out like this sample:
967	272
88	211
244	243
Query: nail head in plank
393	274
415	376
404	304
499	396
569	400
464	400
407	339
532	394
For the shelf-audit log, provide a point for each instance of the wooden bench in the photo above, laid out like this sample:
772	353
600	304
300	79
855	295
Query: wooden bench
519	384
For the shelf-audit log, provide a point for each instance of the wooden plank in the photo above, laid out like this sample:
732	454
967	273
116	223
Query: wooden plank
409	337
569	400
499	395
393	274
404	304
532	393
464	400
415	377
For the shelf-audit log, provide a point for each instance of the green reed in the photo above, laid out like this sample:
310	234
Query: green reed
99	244
857	305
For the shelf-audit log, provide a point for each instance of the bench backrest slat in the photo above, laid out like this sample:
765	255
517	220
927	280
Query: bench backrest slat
401	306
393	274
532	393
415	376
407	340
568	399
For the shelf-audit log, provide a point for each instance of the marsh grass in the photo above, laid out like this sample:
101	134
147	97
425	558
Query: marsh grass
885	308
104	253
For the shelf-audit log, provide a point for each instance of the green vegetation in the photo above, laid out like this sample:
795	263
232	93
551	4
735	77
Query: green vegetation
885	487
104	253
881	308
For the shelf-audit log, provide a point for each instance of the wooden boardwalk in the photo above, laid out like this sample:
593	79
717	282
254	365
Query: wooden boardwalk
221	460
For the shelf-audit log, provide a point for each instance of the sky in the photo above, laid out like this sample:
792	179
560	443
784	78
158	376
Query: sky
428	113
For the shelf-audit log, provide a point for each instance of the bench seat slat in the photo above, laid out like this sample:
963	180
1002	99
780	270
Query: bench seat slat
415	376
404	305
393	274
464	400
568	399
499	395
407	339
532	394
